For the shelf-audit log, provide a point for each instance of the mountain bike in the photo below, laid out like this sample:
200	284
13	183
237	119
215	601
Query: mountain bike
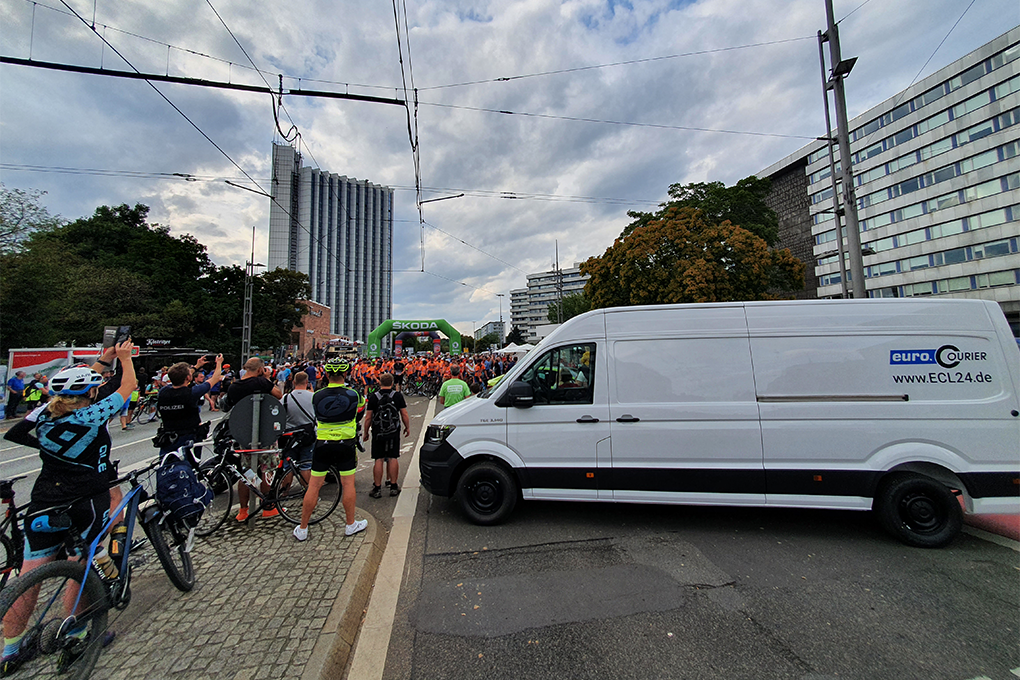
287	485
12	538
64	605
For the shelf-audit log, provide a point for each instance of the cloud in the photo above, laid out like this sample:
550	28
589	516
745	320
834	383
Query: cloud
147	152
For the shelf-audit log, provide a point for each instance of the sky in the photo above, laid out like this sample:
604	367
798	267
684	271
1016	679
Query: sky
612	101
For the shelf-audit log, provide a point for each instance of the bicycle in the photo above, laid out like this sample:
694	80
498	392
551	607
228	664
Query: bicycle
287	485
145	410
12	538
65	604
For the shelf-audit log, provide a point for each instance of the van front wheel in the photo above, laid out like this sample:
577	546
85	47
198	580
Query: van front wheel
487	493
919	511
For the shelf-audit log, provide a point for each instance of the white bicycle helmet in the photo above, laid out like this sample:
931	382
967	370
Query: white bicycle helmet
73	380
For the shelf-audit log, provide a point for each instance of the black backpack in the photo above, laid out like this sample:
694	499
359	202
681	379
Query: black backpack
179	492
386	418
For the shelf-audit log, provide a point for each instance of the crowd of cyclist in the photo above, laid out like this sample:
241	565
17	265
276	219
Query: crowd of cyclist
69	427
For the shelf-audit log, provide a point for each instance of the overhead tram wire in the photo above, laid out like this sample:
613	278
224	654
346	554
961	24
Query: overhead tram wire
628	62
576	119
164	97
196	53
460	240
412	122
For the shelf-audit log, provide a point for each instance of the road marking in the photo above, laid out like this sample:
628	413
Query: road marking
374	638
993	538
1016	672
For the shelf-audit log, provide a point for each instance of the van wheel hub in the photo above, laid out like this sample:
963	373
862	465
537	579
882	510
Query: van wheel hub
485	496
920	513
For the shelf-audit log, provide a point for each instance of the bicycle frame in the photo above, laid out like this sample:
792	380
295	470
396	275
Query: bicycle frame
129	506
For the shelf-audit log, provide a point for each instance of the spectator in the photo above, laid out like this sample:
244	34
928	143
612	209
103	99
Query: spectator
15	391
453	390
386	410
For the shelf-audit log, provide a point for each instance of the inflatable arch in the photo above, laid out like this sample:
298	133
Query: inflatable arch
374	347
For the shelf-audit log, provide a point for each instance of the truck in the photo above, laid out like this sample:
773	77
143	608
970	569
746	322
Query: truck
908	408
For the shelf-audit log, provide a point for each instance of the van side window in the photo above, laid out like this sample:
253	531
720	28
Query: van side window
564	375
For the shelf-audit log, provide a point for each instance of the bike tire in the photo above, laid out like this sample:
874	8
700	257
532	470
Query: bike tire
223	499
10	559
147	414
289	500
61	654
169	539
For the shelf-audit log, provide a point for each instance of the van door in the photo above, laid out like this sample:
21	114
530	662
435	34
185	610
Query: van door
685	425
558	437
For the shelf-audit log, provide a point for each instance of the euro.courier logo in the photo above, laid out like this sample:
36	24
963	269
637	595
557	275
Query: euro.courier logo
946	356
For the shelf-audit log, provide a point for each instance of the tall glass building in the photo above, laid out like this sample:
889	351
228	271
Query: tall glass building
338	231
937	177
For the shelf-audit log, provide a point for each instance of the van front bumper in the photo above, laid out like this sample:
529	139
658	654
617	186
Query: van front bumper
437	463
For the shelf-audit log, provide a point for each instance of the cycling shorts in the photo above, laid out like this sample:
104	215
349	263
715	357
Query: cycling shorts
398	378
88	517
342	454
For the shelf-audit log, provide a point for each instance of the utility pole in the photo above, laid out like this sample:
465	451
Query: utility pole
840	69
837	211
559	286
249	289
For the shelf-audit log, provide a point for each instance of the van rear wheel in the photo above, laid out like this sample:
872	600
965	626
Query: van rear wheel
919	511
487	493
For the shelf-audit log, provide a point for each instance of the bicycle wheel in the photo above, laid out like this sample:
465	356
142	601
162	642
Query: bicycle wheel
147	412
218	511
170	541
53	645
10	559
290	494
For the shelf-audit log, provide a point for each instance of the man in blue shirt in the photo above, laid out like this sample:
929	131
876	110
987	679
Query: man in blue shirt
15	390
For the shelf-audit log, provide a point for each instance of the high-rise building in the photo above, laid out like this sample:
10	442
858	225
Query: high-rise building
496	327
338	231
529	307
937	177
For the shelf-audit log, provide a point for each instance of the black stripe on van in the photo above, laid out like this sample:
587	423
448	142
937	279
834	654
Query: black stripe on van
861	483
991	484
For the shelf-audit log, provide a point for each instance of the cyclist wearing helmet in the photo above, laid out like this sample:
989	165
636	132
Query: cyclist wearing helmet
337	409
74	445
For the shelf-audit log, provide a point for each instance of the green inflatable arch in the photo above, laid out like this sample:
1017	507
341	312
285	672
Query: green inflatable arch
376	336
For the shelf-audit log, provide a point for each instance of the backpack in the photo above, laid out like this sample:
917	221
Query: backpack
386	418
179	492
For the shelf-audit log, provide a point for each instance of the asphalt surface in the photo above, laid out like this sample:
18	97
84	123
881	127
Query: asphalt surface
580	590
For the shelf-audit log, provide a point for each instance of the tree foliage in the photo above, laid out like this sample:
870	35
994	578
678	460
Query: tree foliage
114	268
573	304
515	336
20	216
743	204
680	256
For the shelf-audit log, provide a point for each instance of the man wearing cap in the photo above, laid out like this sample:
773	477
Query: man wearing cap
337	409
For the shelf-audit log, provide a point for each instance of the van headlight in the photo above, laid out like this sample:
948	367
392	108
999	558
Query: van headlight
437	434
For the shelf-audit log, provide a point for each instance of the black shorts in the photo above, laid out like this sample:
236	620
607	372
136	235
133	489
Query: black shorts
341	454
386	446
88	517
398	378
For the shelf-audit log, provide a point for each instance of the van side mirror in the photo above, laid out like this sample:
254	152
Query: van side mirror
521	394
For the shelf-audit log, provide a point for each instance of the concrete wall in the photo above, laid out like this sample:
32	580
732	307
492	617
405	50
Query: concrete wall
789	198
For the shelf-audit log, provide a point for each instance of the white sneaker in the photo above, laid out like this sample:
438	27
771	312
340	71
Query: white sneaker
300	534
359	525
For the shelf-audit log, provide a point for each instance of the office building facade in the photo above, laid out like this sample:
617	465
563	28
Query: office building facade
338	231
937	178
496	327
529	307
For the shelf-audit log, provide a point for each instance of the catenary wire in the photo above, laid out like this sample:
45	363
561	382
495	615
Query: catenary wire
628	62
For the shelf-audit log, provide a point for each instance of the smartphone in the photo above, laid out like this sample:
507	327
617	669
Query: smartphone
114	335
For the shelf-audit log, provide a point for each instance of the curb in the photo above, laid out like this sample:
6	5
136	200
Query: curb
333	647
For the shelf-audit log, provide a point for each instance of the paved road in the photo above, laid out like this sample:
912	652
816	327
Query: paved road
627	591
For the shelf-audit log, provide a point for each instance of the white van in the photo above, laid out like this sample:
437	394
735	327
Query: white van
899	406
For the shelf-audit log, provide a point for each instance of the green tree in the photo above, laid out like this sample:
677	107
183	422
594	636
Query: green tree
21	215
573	304
682	257
515	336
487	341
743	204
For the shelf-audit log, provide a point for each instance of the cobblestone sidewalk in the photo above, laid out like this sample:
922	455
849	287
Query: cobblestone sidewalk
264	606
